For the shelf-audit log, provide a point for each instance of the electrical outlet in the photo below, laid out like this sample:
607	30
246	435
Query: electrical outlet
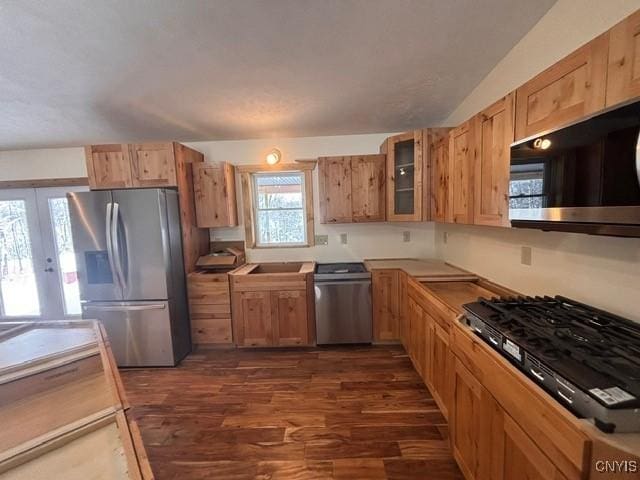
525	255
343	238
406	236
322	239
445	237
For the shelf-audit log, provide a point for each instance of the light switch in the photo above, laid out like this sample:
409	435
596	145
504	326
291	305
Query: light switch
525	255
406	236
445	237
343	238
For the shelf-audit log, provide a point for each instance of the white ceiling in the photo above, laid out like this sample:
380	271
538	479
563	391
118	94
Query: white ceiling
84	71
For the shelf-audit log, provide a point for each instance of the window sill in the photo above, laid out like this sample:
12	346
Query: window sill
270	247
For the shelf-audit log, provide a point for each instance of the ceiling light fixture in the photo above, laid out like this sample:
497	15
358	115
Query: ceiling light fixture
273	156
541	143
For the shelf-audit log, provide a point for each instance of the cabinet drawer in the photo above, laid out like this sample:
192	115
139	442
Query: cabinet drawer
213	290
78	389
206	310
211	330
549	425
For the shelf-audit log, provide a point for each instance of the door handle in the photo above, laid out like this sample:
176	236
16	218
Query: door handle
48	269
124	308
116	244
108	222
638	158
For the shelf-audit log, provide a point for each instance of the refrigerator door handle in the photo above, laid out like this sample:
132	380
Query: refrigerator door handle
116	244
110	255
125	308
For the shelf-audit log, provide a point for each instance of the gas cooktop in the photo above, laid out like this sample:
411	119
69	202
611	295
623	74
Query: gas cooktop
586	358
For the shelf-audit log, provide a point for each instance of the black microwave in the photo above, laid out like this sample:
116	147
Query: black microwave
584	177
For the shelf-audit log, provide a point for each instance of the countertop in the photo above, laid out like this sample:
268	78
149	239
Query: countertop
422	269
456	294
275	268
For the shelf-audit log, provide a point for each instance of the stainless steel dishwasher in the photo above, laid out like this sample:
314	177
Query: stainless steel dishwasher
343	303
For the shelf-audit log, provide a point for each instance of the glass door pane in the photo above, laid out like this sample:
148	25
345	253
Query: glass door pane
67	271
404	177
63	297
18	283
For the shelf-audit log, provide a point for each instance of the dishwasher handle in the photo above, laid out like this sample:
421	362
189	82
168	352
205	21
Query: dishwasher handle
342	282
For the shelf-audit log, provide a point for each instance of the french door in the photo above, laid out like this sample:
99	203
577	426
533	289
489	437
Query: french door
38	275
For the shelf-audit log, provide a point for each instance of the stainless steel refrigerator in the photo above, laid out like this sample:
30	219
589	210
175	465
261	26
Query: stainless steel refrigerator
128	248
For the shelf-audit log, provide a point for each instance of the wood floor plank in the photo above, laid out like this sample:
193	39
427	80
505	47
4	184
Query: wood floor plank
297	414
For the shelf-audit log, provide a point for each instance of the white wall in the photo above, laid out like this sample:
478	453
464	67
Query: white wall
601	271
42	163
566	26
375	240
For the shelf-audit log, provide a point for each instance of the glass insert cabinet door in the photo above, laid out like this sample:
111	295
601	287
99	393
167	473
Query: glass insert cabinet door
38	278
404	176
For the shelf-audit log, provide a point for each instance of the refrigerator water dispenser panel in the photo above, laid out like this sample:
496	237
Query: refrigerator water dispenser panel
98	269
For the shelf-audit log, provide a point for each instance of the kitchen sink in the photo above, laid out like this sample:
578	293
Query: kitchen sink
266	268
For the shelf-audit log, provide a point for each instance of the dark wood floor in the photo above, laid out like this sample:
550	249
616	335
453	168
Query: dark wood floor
325	413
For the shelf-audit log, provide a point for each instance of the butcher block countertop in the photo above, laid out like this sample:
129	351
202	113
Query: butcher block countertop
277	268
62	405
428	269
456	294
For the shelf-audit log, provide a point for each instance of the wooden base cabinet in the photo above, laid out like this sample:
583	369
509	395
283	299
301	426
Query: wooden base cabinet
471	425
272	309
441	360
210	308
266	319
487	443
385	285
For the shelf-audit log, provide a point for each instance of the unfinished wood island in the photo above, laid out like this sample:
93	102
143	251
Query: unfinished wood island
62	406
273	304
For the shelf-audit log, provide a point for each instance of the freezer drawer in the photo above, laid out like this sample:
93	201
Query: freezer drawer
343	312
139	332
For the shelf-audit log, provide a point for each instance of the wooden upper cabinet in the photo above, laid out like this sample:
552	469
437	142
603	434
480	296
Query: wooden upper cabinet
334	182
352	189
368	188
623	77
438	167
460	176
215	195
568	90
493	136
108	166
404	177
153	165
385	285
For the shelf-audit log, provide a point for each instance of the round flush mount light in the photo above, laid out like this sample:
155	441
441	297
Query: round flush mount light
541	143
273	156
